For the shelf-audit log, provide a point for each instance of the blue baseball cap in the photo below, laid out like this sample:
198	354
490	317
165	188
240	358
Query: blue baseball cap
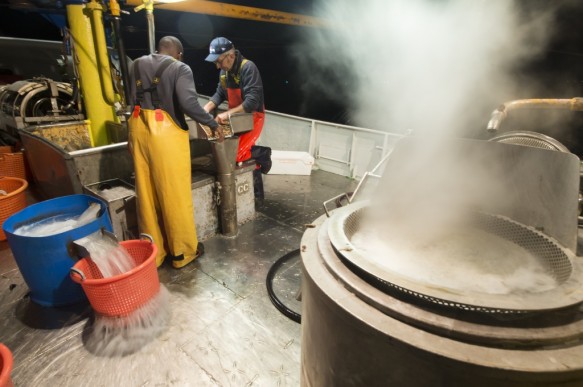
218	47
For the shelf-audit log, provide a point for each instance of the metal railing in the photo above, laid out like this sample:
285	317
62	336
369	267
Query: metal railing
342	149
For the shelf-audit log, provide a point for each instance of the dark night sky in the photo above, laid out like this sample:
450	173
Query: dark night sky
271	47
267	44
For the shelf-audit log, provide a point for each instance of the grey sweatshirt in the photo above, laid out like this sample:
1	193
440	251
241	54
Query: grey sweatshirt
250	84
176	90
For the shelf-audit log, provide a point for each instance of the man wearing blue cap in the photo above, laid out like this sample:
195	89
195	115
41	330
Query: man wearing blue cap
241	86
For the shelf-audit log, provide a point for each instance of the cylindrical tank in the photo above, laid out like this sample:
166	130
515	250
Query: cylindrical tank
460	271
354	334
45	261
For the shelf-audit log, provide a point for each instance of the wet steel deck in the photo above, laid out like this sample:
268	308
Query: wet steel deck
223	331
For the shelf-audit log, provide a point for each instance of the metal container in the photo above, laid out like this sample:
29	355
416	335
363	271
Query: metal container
355	334
535	187
239	123
57	171
121	205
371	317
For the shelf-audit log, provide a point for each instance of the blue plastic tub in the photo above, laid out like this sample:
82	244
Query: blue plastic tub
44	261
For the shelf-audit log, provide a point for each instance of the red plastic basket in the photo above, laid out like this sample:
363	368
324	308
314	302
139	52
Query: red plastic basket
122	294
5	366
12	163
13	201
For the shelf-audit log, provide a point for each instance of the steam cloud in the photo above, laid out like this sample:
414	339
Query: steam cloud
435	65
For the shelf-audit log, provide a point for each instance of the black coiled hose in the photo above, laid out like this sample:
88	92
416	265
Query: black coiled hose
269	282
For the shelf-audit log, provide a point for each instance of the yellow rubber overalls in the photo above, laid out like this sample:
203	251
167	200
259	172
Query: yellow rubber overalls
161	153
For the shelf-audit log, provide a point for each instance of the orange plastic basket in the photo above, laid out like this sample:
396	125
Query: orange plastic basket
122	294
13	201
5	366
12	163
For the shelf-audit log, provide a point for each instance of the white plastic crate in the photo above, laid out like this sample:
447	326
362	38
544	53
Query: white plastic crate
291	163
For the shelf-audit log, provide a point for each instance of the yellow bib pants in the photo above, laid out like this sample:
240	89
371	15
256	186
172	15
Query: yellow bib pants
161	153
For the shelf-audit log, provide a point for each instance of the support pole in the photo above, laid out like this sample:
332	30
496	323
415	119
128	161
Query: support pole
225	154
97	109
121	51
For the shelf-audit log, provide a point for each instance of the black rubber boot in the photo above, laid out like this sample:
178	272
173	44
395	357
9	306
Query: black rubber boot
262	156
258	184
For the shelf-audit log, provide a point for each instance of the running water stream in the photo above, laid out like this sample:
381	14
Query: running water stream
122	335
110	257
103	335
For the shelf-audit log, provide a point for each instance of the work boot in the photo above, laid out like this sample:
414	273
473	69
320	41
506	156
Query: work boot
258	185
178	261
262	156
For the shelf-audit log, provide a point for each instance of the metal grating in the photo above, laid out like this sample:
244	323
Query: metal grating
531	139
555	259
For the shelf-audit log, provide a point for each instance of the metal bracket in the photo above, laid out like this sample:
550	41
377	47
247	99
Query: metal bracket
334	198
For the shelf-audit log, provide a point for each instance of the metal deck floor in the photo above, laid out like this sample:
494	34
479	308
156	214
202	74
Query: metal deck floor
223	330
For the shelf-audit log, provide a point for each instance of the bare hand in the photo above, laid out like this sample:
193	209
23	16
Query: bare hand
223	118
220	134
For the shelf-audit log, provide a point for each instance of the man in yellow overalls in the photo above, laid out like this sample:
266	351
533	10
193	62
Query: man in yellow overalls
162	91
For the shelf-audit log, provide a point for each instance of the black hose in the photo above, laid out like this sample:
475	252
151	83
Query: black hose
121	53
269	282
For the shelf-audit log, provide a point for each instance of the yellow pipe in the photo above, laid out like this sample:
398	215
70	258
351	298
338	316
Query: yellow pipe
499	115
96	12
114	8
98	111
237	12
148	5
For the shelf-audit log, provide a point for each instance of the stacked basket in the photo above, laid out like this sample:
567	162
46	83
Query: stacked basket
12	184
12	163
12	199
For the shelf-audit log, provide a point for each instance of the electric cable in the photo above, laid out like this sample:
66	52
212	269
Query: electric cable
269	282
